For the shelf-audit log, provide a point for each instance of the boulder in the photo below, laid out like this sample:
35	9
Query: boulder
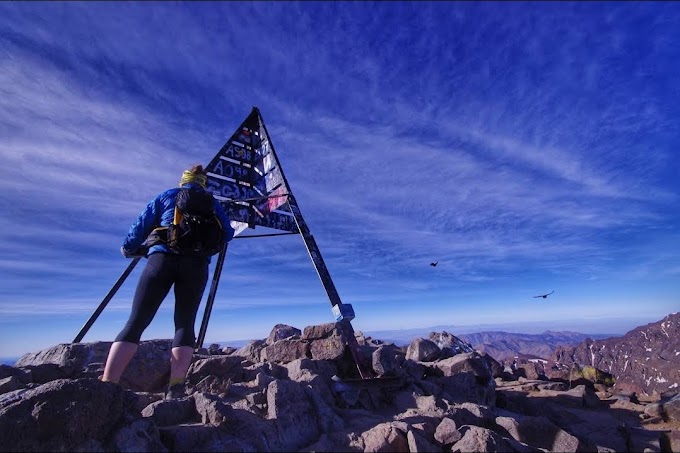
294	414
447	432
422	350
537	432
284	351
72	415
387	360
384	437
477	439
282	332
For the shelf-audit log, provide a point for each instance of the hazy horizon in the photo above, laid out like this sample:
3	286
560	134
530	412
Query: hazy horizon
616	326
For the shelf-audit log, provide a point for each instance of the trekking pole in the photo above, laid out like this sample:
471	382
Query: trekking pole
106	300
211	296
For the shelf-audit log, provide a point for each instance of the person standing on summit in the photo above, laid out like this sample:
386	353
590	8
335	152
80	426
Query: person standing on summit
179	250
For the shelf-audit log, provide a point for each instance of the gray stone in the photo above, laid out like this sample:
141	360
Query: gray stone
293	413
62	415
282	332
418	443
226	367
384	437
422	350
284	351
538	432
171	412
447	432
484	440
387	360
251	351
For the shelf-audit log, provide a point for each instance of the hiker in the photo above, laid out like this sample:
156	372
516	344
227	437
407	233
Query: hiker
166	266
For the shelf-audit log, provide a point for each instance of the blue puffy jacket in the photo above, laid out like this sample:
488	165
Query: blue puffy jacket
160	212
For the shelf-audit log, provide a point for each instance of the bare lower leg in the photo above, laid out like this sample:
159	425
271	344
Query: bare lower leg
120	354
180	360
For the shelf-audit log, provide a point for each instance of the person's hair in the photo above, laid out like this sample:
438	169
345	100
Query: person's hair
197	169
196	174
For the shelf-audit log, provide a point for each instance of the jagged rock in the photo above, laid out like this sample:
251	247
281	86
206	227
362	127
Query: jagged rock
265	368
418	443
331	348
171	412
224	367
497	370
328	341
294	414
251	351
466	377
282	332
537	432
586	396
447	432
475	438
384	437
284	351
69	415
214	385
328	421
387	360
211	409
299	369
148	370
471	413
408	403
447	341
327	330
214	349
227	350
422	350
530	370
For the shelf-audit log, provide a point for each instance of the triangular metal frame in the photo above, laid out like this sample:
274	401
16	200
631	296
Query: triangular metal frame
247	177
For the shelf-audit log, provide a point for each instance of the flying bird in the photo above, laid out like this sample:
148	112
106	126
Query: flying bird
434	264
545	296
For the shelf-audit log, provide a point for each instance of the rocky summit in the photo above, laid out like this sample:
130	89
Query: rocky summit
300	390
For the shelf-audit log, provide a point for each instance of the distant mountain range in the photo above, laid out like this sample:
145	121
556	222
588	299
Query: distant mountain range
504	345
645	359
499	345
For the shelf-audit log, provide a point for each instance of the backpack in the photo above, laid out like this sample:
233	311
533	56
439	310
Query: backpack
196	230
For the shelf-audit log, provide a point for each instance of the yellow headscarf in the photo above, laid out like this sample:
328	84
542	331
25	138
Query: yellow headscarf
188	176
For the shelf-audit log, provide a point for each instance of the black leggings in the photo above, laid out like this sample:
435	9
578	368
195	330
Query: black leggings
189	275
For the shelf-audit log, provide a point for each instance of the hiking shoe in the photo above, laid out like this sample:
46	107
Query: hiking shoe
176	392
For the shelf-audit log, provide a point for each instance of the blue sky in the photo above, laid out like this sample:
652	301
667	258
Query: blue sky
526	147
